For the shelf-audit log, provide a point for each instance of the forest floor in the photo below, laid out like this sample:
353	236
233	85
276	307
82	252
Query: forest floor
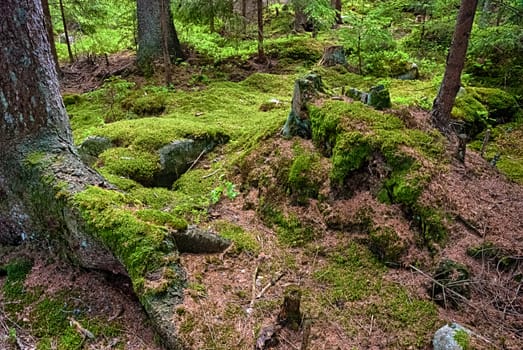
349	300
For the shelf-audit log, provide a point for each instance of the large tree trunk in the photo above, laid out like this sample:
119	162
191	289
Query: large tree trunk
444	102
46	192
150	45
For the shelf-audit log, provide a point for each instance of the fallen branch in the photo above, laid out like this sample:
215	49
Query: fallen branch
196	160
270	284
83	331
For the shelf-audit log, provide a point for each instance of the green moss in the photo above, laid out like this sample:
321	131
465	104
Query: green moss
145	104
162	218
431	224
268	83
304	178
289	229
141	246
462	338
352	150
352	274
501	105
468	109
193	195
386	245
71	99
295	49
243	241
16	272
136	165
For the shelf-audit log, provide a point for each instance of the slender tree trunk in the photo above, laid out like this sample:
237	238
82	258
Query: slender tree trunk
336	4
66	33
150	42
211	16
450	85
50	34
165	41
244	16
261	53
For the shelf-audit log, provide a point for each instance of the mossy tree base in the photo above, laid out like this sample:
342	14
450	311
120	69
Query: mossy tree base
56	198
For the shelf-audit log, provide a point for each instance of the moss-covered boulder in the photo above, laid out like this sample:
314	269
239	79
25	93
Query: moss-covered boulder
386	245
479	108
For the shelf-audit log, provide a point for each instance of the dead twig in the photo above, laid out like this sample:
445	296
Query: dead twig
196	160
83	331
270	284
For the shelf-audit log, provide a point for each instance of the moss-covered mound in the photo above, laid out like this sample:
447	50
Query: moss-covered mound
480	108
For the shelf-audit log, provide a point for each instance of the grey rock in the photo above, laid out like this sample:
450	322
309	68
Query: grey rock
445	337
92	147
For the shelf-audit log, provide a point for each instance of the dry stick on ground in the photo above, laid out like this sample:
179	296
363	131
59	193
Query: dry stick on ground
196	160
270	284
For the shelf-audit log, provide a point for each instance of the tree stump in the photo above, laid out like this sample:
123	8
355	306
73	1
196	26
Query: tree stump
290	315
332	56
298	123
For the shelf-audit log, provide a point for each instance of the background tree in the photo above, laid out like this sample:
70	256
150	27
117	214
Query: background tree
150	39
455	62
205	12
50	34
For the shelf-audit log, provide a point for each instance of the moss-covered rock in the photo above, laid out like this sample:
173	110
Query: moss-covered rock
386	245
480	108
139	166
305	176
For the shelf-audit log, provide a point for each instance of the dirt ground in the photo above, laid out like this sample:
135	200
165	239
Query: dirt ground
486	207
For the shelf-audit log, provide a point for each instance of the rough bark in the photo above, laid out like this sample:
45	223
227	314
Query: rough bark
442	107
150	43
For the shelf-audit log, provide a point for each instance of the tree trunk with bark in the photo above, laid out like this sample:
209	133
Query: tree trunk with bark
150	43
442	107
66	32
336	4
261	53
50	34
47	194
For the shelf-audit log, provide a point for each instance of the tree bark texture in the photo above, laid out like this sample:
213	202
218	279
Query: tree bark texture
336	4
30	101
150	46
442	107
